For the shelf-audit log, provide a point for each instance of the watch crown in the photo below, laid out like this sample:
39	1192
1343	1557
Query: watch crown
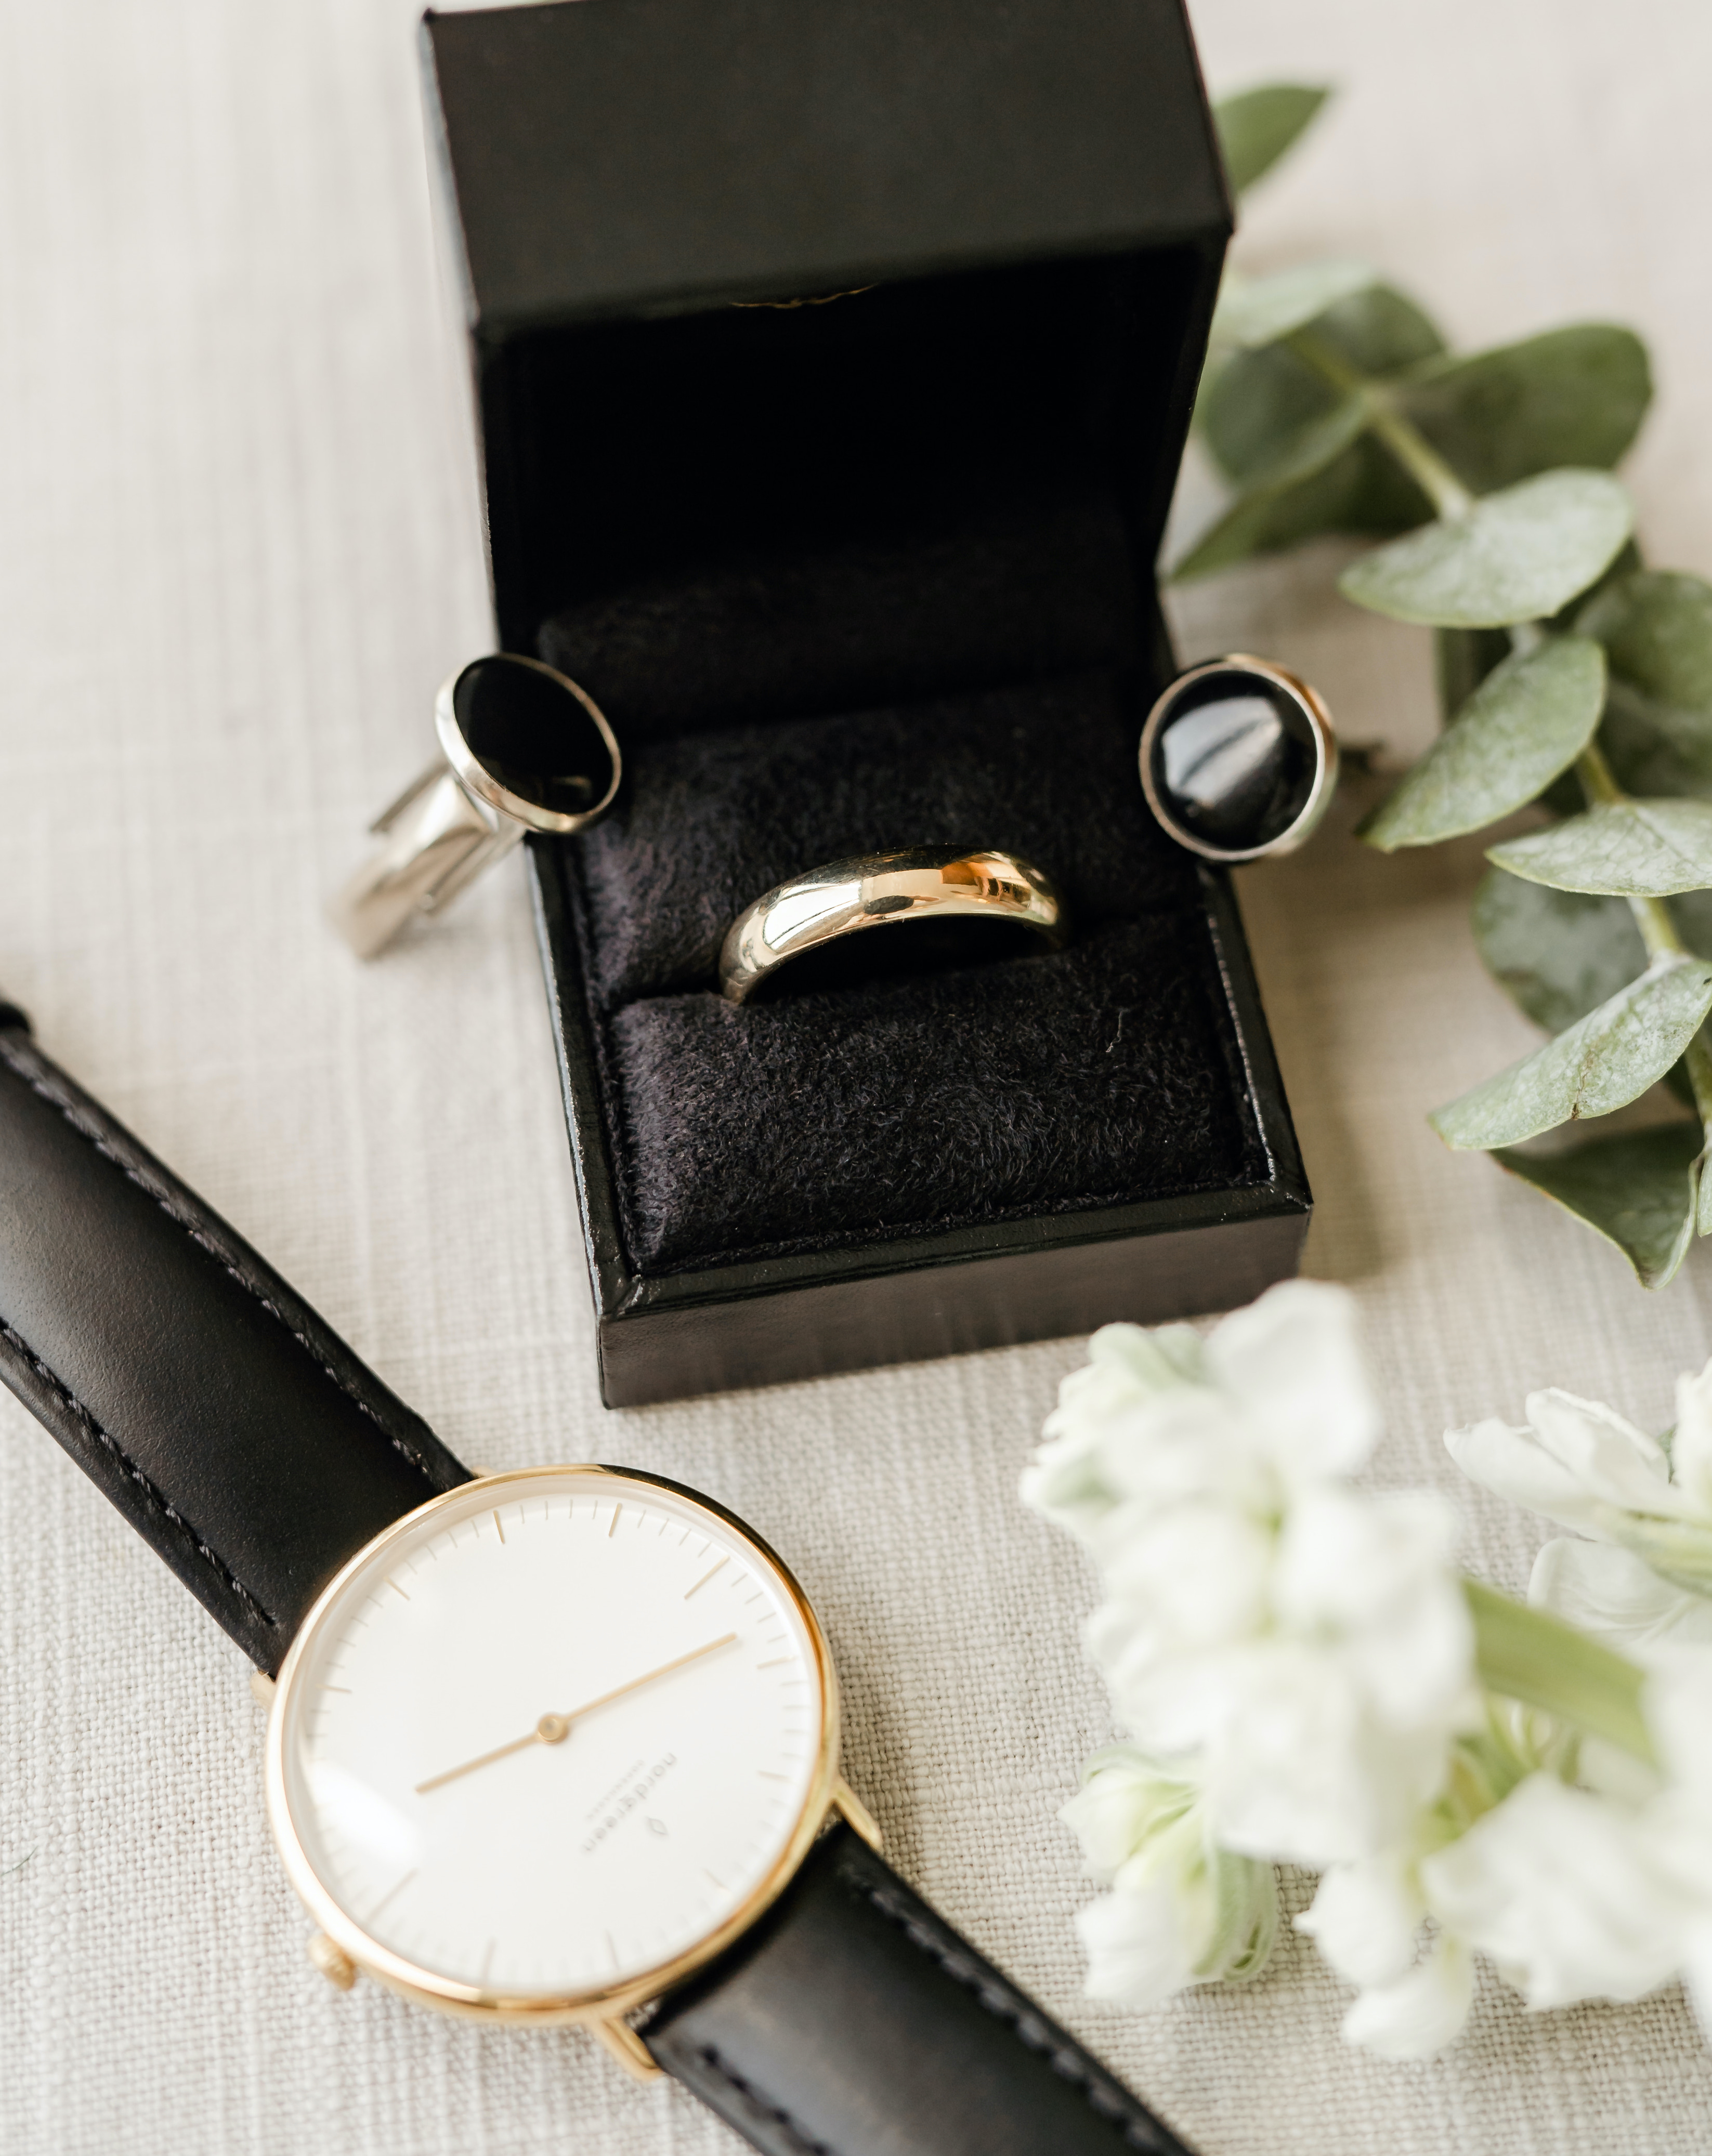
335	1964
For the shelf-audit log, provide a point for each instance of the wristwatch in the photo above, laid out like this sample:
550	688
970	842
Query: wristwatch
553	1746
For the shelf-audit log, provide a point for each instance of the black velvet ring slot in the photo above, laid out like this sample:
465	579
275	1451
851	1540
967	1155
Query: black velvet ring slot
1047	1081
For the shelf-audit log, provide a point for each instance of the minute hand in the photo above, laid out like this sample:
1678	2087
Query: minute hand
554	1728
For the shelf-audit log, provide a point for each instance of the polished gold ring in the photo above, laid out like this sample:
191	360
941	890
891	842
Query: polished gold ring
884	890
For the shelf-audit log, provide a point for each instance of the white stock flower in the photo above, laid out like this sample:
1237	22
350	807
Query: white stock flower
1273	1398
1579	1464
1303	1652
1320	1698
1568	1892
1182	1910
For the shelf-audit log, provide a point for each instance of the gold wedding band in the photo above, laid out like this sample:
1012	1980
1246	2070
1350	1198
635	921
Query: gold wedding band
882	890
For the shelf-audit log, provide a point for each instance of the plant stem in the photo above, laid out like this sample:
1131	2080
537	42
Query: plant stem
1399	434
1529	1655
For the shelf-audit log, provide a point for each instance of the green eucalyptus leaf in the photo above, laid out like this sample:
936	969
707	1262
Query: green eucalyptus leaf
1575	395
1514	557
1622	563
1639	1190
1247	526
1259	401
1528	721
1559	953
1656	749
1609	1059
1630	848
1656	626
1254	405
1257	127
1258	311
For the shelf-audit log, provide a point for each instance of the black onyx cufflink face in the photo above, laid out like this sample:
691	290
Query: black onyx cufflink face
1239	759
527	741
523	749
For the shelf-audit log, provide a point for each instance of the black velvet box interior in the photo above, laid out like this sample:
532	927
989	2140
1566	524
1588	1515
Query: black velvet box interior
844	506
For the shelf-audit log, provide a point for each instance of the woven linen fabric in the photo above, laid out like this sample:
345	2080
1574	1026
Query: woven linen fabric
238	551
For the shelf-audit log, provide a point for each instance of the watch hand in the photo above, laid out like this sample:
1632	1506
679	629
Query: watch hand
554	1728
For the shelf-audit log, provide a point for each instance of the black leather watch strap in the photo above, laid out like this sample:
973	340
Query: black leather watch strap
237	1434
853	2022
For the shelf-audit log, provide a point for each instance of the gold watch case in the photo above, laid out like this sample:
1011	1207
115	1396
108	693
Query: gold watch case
603	2009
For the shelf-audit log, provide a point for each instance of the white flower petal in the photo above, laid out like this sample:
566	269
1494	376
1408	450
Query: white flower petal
1064	1484
1186	1444
1616	1596
1300	1769
1366	1919
1608	1456
1420	2013
1558	1887
1201	1572
1691	1445
1124	1800
1512	1463
1678	1702
1293	1359
1376	1574
1139	1947
1126	1362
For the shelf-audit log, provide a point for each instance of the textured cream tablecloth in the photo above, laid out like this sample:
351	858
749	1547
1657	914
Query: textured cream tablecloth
235	558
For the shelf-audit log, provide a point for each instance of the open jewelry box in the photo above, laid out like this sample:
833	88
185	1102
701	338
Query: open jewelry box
832	366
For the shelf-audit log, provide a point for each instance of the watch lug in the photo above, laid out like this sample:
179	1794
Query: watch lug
627	2047
856	1814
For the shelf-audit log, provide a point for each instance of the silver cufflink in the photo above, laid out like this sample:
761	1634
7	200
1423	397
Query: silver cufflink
522	749
1239	759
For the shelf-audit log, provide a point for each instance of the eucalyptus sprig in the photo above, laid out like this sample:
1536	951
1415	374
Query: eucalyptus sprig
1574	681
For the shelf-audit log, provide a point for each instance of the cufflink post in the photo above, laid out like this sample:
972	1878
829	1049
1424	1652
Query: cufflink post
522	748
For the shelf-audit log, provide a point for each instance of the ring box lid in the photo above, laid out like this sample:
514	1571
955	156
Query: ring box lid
612	162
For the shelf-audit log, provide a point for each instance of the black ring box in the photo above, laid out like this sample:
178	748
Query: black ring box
832	363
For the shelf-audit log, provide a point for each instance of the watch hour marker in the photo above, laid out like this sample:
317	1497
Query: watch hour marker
611	1948
719	1883
397	1889
705	1577
397	1589
346	1689
766	1776
616	1510
487	1961
497	1528
778	1663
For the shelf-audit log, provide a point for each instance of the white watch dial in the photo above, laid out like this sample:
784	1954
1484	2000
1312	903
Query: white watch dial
550	1735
